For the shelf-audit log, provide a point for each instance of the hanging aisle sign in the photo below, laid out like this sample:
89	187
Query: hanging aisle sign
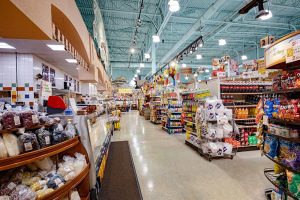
285	50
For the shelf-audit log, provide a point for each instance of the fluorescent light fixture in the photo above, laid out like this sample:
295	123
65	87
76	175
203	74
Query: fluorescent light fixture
222	42
199	81
4	45
59	78
142	65
132	50
174	6
156	38
207	70
56	47
244	57
183	65
172	63
195	74
71	60
138	71
198	56
264	14
147	55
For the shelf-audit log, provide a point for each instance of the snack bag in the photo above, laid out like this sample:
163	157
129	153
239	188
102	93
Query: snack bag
289	154
271	146
293	183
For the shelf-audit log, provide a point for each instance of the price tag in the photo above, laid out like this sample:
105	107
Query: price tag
11	185
47	140
265	120
28	146
35	119
17	120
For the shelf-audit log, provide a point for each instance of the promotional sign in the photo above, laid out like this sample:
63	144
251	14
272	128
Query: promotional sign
125	90
46	89
279	52
293	51
267	41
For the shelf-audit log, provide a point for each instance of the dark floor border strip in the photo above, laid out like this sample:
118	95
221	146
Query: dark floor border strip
136	177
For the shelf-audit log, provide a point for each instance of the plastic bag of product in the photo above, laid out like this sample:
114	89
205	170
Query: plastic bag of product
36	186
70	130
220	146
44	164
211	133
3	151
80	163
227	148
7	188
11	120
11	144
212	148
29	118
74	195
44	137
4	197
219	132
227	130
30	180
45	119
28	142
58	137
41	194
55	181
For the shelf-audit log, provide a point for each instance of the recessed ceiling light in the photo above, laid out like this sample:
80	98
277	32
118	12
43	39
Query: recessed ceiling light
174	5
4	45
244	57
199	57
156	38
56	47
147	55
71	60
222	42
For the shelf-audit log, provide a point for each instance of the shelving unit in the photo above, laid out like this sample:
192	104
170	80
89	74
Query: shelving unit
240	96
155	110
278	130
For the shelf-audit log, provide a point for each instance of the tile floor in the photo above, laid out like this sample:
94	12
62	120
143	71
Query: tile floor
168	169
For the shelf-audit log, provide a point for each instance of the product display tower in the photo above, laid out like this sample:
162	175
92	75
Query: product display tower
155	109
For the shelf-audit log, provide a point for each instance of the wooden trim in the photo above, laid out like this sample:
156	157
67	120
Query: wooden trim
67	187
26	158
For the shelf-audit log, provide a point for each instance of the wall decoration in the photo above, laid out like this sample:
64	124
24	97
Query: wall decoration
45	72
52	77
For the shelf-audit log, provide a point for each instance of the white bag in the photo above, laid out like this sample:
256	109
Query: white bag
227	148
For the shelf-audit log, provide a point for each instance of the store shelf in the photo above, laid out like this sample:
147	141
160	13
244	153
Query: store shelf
284	122
26	158
242	93
295	140
16	129
247	148
175	112
245	119
293	90
189	121
245	126
174	119
271	176
67	187
281	164
174	127
242	106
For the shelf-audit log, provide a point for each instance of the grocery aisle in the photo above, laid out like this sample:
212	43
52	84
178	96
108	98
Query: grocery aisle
168	169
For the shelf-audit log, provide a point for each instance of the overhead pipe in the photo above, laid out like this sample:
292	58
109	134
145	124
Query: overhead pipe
207	15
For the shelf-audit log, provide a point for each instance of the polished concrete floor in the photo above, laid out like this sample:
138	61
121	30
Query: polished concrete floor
168	169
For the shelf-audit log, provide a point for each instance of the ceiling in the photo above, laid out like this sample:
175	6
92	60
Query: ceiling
213	19
40	49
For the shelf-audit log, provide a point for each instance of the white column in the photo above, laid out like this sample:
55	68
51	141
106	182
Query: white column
153	55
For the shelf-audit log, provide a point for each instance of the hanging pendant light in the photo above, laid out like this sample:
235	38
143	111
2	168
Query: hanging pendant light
174	6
